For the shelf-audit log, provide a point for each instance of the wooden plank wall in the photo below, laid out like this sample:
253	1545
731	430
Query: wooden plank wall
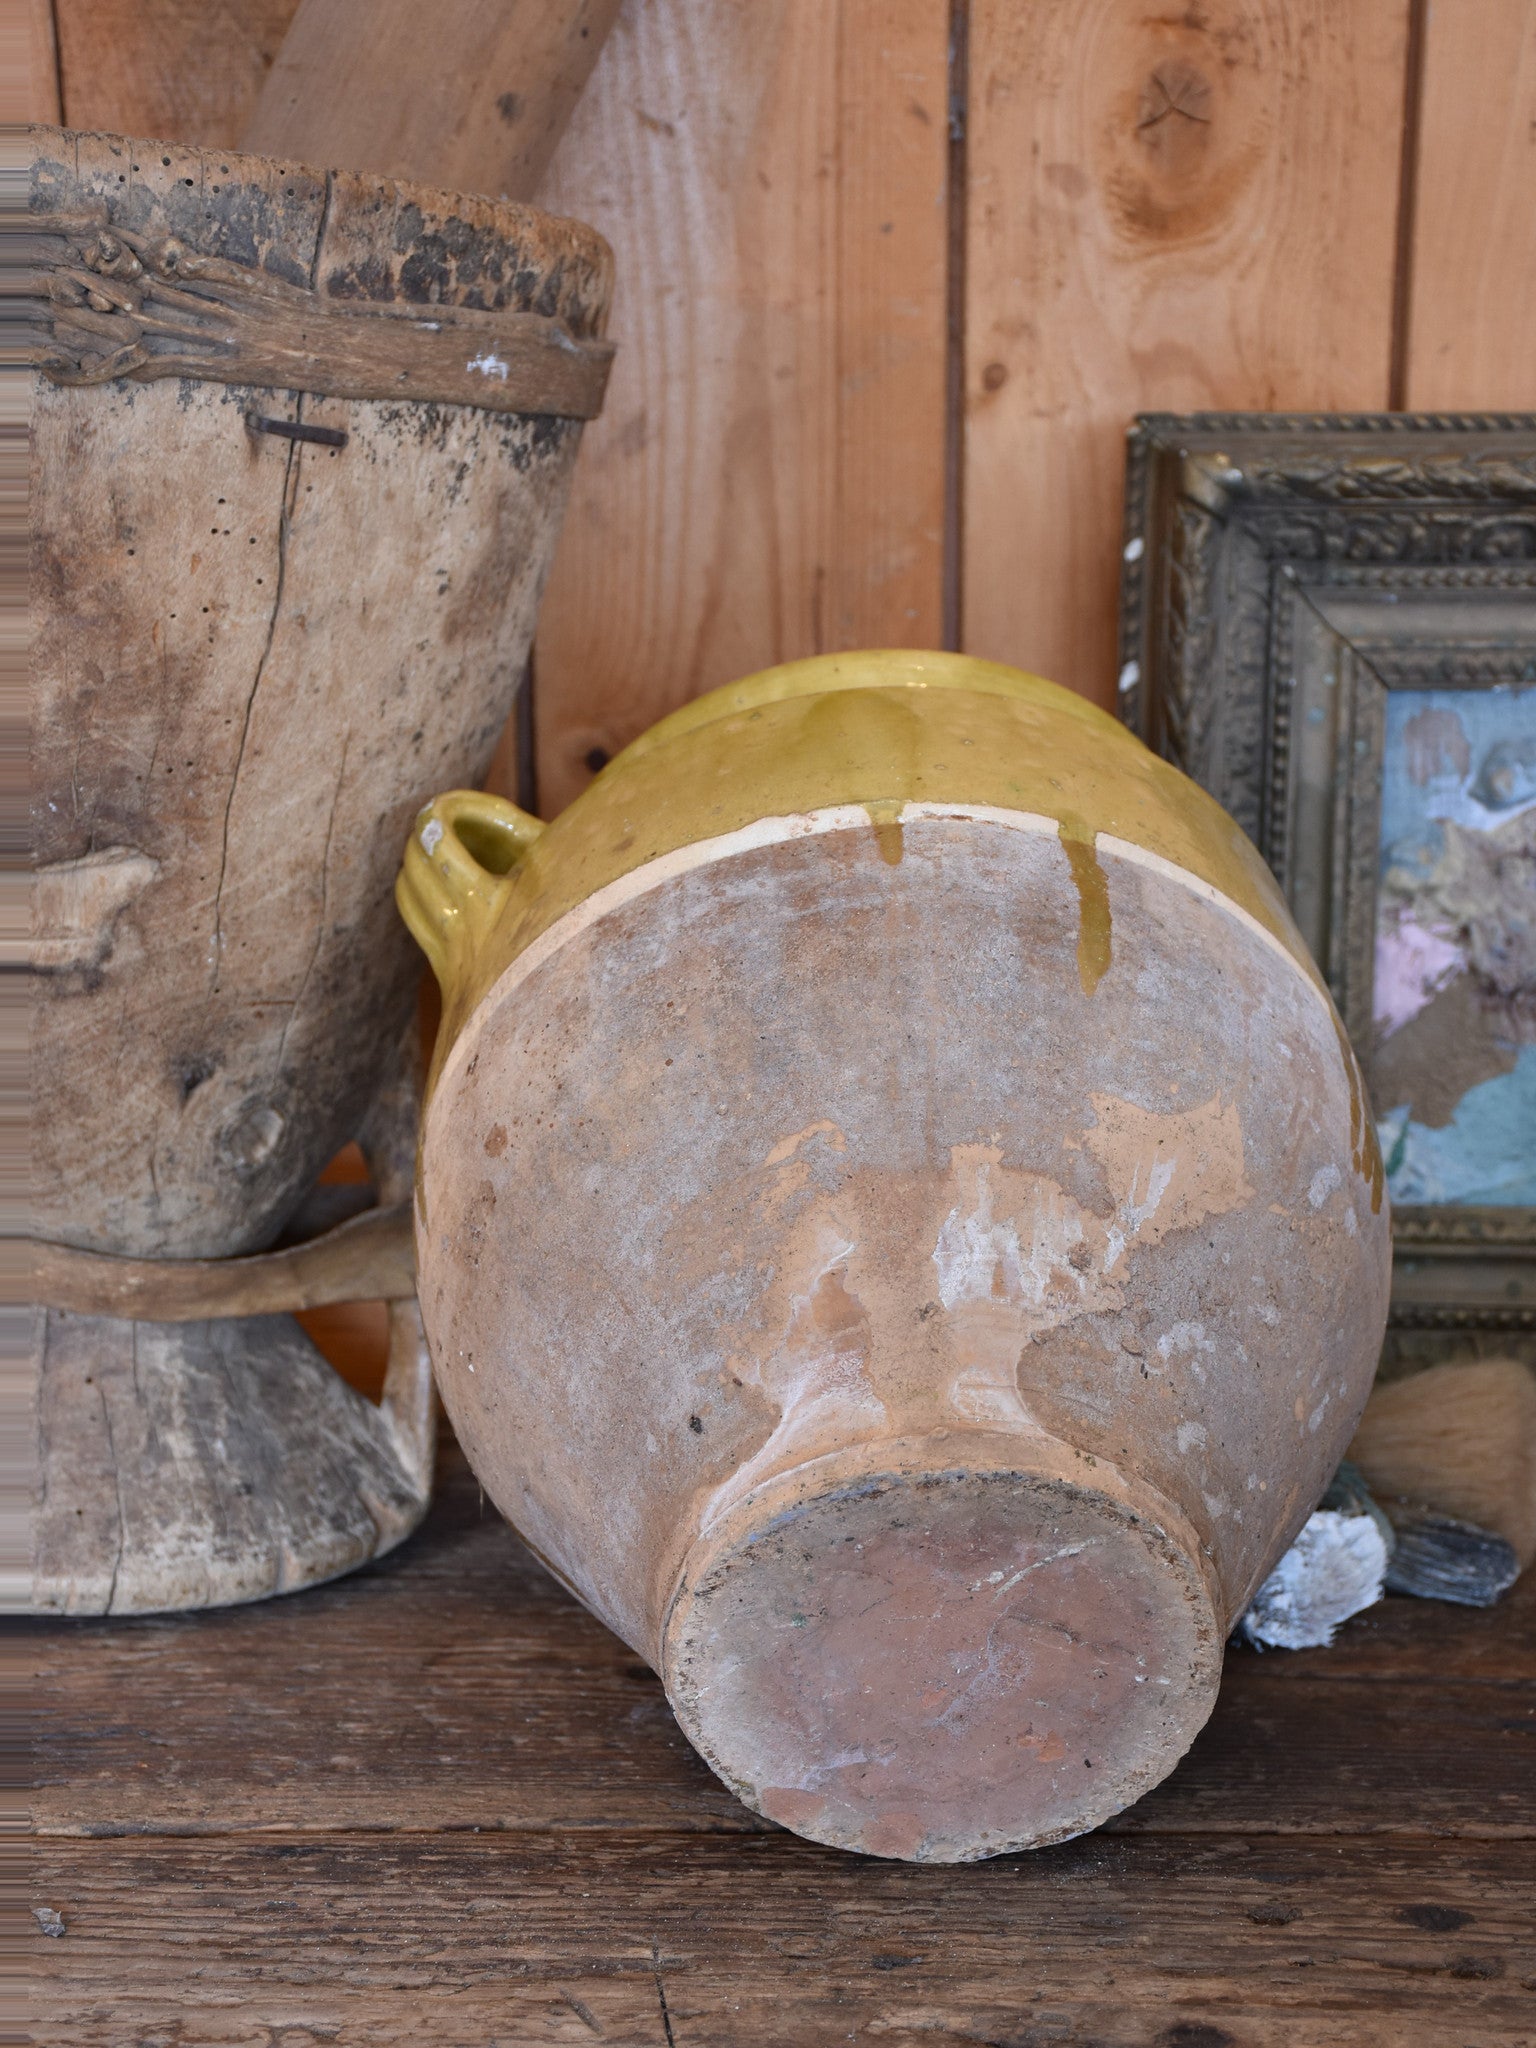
768	477
1172	210
1470	329
895	273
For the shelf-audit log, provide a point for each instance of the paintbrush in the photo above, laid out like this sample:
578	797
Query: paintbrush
1460	1439
1437	1497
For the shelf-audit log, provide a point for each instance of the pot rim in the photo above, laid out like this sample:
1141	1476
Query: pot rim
881	668
892	732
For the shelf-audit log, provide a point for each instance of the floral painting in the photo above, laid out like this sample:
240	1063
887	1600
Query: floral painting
1453	1058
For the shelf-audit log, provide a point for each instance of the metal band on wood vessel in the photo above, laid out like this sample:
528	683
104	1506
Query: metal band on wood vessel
108	303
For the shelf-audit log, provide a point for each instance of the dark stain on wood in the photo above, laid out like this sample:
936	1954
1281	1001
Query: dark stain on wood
1435	1919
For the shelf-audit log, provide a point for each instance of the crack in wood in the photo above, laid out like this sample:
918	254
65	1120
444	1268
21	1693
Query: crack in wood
582	2012
661	1995
325	905
283	521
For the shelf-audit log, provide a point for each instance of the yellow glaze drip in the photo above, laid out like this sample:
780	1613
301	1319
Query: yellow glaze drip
1093	922
1364	1145
885	816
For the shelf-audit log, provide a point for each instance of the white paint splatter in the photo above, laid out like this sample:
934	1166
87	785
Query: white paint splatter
1137	1213
1133	1214
488	365
1006	1584
431	835
1324	1181
970	1250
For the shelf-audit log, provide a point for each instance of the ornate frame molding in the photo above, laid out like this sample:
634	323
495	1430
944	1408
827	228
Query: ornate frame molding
1282	573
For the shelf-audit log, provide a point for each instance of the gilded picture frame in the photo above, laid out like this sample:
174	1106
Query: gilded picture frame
1330	623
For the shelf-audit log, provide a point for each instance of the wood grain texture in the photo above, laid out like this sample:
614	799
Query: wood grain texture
186	71
228	755
617	1892
471	95
220	322
438	1804
228	761
767	479
198	1464
1472	304
509	1708
1165	210
30	90
738	1942
365	1258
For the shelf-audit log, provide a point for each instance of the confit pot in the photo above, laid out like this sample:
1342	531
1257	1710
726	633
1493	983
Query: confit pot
899	1232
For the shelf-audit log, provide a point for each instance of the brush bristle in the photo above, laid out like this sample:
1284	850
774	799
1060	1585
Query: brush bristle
1460	1438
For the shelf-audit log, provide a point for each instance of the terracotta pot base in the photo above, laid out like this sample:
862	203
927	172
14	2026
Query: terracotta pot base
946	1649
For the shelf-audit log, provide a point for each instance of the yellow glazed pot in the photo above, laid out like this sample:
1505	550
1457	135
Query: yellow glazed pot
899	1233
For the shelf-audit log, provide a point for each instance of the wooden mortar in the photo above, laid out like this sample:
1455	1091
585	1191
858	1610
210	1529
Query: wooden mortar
300	448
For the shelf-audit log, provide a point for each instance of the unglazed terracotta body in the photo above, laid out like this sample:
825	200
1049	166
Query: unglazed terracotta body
898	1232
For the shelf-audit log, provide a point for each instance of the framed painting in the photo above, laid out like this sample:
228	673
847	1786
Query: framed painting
1330	623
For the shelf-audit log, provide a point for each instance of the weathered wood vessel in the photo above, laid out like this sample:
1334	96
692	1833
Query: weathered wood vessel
899	1232
300	449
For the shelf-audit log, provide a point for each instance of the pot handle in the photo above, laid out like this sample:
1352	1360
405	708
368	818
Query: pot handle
457	873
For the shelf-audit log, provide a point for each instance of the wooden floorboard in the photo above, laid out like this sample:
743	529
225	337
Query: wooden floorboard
455	1685
487	1733
438	1803
765	1938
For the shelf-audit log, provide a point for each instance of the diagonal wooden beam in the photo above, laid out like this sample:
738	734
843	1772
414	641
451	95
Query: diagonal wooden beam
471	95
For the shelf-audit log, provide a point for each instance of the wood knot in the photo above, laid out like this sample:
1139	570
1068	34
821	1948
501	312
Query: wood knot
1175	118
1177	92
1189	126
252	1139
